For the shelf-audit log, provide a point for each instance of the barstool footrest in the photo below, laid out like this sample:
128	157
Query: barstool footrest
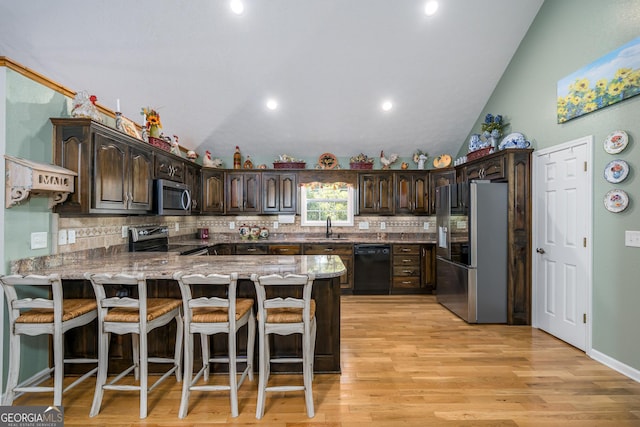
285	388
287	360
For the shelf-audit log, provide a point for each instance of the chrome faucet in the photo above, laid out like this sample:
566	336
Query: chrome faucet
329	232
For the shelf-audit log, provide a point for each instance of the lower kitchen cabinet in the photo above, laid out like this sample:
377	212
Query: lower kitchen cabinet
428	267
284	250
406	265
343	250
221	249
251	249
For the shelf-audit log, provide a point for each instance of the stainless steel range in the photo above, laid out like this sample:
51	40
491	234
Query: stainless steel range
155	238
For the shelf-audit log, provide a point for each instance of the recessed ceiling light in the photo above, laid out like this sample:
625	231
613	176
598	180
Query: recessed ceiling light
272	104
386	105
430	8
236	7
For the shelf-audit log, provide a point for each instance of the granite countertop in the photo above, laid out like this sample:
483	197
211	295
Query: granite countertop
282	238
162	265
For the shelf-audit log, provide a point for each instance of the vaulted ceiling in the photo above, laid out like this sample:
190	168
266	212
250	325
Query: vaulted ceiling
329	64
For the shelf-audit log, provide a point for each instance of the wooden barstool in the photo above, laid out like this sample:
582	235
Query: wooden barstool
207	315
38	316
136	315
285	316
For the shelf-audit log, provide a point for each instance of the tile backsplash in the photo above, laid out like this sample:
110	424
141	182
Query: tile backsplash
105	232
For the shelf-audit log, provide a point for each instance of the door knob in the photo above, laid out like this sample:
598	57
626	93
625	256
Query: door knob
540	251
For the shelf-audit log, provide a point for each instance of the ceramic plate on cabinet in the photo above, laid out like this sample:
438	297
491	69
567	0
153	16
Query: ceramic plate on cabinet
616	201
442	161
616	171
616	142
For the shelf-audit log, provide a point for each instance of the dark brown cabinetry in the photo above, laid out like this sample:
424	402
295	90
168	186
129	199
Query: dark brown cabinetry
284	250
428	267
114	173
279	192
375	193
167	167
251	249
242	192
492	168
437	178
412	192
212	191
343	250
406	266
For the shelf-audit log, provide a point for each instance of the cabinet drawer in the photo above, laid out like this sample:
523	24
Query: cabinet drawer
284	249
250	249
406	260
406	271
406	282
406	250
327	249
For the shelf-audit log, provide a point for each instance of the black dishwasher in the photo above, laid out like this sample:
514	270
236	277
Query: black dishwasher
372	269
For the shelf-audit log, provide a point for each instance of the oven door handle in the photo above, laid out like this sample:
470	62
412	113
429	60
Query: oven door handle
186	205
200	252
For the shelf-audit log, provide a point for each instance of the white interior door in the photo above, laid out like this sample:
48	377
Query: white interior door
562	241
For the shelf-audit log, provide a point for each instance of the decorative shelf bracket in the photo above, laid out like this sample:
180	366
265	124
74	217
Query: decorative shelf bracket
25	178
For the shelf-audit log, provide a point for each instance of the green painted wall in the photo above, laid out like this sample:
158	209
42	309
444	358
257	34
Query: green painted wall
29	105
565	36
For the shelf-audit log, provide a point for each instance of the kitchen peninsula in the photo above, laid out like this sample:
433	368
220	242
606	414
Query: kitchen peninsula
159	268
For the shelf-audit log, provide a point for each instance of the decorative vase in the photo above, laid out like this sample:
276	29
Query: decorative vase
154	131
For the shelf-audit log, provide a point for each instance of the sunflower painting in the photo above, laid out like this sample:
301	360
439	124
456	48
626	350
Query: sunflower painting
610	79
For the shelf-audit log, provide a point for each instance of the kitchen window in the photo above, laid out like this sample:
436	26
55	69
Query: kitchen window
322	200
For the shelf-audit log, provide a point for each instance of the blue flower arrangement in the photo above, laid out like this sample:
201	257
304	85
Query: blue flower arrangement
492	126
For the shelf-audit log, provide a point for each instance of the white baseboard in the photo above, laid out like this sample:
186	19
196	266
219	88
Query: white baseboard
616	365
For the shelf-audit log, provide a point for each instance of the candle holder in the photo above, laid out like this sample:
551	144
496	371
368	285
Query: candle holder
119	121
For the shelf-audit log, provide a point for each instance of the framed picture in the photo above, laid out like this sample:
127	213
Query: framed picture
130	128
611	79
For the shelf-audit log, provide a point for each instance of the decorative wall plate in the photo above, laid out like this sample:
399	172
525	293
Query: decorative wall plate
616	142
616	171
616	200
442	161
327	161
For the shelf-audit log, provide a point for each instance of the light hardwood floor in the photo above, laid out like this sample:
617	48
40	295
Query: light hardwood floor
406	361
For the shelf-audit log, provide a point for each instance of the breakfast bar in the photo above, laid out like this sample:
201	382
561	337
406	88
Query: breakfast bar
159	268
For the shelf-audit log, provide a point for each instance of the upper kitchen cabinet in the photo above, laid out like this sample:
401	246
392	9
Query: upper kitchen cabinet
279	192
114	175
168	167
489	167
437	178
242	192
375	193
412	192
212	191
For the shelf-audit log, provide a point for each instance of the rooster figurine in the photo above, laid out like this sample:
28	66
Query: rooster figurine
387	162
208	162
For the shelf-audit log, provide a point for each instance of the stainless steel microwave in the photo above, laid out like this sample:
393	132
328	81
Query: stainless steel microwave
171	198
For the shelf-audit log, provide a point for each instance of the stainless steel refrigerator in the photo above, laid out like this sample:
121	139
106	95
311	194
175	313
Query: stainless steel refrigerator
471	250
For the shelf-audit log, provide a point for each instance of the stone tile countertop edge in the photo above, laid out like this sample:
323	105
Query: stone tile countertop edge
283	238
162	265
72	262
